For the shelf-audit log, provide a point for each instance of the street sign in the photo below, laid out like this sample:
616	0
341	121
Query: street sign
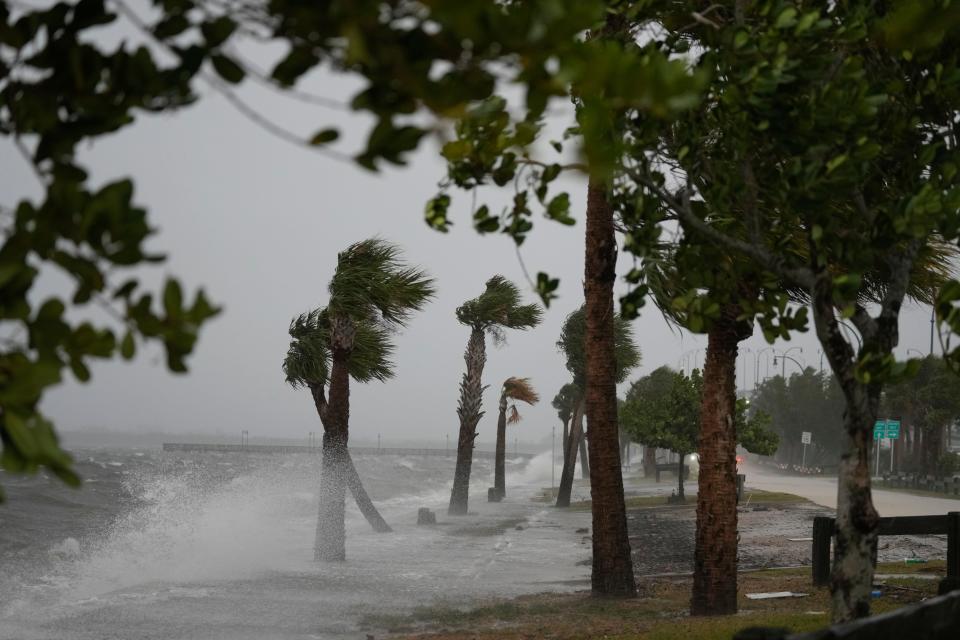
893	429
805	437
886	429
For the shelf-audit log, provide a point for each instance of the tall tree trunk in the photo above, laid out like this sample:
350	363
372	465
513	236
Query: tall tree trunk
584	461
499	464
715	555
649	461
612	573
471	397
852	575
363	500
330	542
571	446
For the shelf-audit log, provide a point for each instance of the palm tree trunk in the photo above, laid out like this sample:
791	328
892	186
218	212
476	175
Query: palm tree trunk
330	542
584	462
471	396
612	573
566	434
499	471
570	457
363	500
715	555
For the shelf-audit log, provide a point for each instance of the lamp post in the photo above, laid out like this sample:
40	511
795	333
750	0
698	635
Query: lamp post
783	358
919	353
786	353
756	365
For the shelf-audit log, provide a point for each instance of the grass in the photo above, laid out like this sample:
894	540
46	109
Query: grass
660	613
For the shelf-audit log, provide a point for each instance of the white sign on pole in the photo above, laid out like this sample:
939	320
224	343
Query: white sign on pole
805	437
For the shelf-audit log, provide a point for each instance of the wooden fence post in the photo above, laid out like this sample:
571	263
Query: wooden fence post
822	536
952	581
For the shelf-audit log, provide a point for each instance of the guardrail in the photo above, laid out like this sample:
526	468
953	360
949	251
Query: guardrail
949	486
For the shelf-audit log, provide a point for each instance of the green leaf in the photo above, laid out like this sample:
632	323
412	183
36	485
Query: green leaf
172	298
324	136
218	30
227	68
435	213
787	18
127	346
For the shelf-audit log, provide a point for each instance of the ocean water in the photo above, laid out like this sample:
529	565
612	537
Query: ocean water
174	545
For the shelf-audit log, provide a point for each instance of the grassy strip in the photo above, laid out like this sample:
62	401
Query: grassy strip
660	613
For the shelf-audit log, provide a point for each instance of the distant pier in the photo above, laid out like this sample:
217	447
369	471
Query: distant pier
294	448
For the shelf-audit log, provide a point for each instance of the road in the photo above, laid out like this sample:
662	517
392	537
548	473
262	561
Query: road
823	491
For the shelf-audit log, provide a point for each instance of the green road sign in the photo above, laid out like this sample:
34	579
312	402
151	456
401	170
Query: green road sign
886	429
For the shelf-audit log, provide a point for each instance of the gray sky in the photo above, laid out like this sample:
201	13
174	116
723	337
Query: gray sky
258	222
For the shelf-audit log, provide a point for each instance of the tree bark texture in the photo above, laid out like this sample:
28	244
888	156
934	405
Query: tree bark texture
471	396
330	542
499	464
570	447
612	573
851	580
364	503
715	555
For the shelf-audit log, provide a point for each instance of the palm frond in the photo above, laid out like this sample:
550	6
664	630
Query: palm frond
514	416
565	402
373	283
572	345
308	359
520	389
499	307
307	362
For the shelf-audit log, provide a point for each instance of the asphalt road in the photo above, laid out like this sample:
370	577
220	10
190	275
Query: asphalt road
823	491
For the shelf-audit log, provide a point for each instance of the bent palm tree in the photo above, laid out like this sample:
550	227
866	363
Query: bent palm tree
518	390
565	402
497	308
572	344
372	293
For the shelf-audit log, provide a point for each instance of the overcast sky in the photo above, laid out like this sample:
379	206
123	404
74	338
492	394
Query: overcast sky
258	222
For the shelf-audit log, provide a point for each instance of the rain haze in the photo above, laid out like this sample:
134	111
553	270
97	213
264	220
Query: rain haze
209	537
258	223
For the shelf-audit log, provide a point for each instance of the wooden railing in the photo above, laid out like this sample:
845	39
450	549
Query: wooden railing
824	529
933	619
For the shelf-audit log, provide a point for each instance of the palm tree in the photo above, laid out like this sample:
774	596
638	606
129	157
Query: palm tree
496	309
573	345
565	402
372	294
517	390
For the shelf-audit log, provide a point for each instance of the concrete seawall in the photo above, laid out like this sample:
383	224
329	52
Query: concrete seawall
292	448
